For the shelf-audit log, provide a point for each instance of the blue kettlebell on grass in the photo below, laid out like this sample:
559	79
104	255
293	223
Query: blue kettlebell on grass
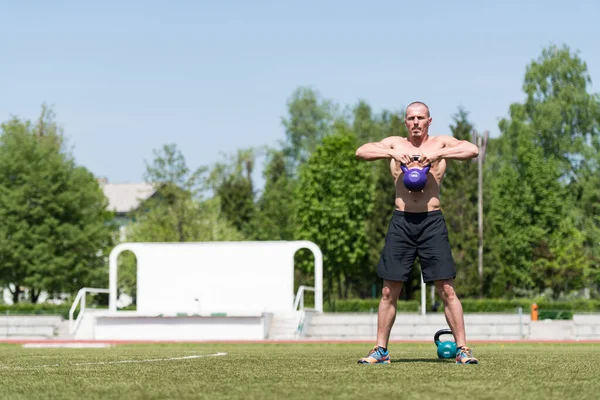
444	349
415	179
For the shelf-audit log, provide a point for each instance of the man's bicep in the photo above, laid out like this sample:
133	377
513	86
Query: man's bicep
451	141
388	143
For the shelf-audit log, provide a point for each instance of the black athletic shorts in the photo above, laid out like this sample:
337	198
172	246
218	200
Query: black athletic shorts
412	235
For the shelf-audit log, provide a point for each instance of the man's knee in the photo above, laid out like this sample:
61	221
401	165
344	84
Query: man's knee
446	290
391	291
386	294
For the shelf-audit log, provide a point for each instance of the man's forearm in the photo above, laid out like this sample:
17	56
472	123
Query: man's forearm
371	152
463	151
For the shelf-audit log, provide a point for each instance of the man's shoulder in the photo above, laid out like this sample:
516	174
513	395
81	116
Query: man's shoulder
442	138
392	140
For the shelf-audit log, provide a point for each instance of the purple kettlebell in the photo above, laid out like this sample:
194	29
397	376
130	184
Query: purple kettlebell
415	178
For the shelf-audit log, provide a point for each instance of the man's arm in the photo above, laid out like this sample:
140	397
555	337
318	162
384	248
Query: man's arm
458	149
452	149
376	150
388	148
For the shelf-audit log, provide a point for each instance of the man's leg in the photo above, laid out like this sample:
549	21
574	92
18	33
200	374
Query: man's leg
386	315
455	318
453	310
394	267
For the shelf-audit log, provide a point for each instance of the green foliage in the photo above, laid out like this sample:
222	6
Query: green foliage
368	305
495	305
276	208
586	207
178	212
560	262
169	169
310	119
555	314
232	184
459	204
335	196
546	308
171	213
127	275
35	309
370	127
205	222
526	204
542	228
55	229
566	118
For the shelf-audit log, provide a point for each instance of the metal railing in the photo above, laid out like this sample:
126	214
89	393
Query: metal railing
299	300
299	306
80	299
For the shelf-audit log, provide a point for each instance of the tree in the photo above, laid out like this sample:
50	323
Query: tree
276	208
525	203
335	197
459	203
370	127
586	208
566	119
55	230
179	212
565	116
365	125
173	211
560	263
232	183
558	126
310	119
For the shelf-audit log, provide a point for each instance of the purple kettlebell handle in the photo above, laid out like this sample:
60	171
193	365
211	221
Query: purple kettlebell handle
404	168
415	157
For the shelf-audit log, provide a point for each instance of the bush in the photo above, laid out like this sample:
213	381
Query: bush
35	309
554	314
367	305
547	309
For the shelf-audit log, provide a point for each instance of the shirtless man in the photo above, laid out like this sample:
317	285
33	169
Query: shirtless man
417	227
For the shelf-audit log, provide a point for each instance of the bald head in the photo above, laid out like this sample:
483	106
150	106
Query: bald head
418	103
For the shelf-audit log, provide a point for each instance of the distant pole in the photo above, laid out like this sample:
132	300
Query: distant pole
480	212
482	145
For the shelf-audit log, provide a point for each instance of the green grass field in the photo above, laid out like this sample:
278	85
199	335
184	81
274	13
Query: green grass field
298	371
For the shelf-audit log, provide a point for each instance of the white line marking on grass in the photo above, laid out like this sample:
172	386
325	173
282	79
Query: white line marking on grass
152	360
34	367
66	345
44	365
31	368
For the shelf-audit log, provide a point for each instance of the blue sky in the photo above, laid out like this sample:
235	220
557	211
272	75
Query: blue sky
126	77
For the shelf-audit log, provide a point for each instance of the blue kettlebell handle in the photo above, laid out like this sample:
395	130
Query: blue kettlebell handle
436	337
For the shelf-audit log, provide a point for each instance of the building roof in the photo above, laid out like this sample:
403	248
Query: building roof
126	197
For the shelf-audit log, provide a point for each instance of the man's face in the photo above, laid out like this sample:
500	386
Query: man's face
417	121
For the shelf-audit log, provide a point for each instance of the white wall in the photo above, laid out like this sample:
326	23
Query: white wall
215	277
111	327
